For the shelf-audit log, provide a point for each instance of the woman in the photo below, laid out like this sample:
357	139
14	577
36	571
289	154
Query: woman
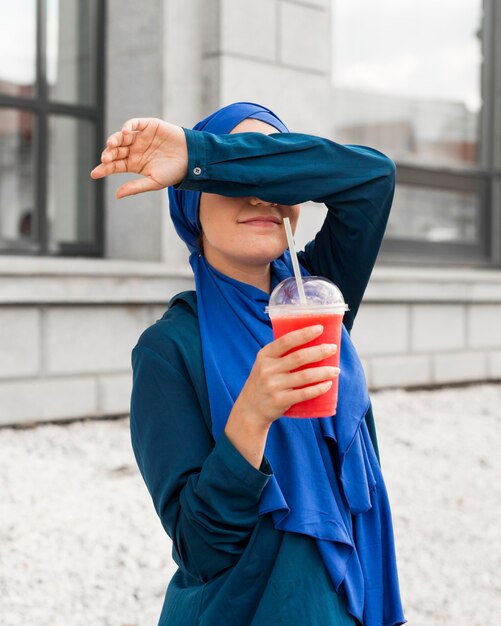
273	520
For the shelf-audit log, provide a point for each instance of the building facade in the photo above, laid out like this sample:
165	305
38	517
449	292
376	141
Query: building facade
82	274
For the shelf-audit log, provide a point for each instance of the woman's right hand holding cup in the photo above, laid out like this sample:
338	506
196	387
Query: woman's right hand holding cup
272	386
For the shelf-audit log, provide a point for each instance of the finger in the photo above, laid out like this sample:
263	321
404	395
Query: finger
310	376
113	154
136	123
291	340
105	169
303	356
307	393
139	185
114	140
119	139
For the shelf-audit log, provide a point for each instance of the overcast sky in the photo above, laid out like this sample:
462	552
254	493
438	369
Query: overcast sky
17	41
416	48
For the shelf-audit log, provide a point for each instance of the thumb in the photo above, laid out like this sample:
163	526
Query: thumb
139	185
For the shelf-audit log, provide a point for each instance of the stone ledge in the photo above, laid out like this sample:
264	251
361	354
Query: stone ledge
90	290
85	266
82	280
89	281
411	284
321	5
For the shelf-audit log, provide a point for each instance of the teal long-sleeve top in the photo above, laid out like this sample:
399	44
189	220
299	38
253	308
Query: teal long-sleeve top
234	568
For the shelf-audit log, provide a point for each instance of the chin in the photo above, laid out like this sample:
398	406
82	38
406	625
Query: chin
263	257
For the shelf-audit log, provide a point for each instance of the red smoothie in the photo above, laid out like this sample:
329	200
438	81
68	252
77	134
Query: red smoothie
325	404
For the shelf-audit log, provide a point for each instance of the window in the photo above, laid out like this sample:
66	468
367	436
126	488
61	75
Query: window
51	125
419	82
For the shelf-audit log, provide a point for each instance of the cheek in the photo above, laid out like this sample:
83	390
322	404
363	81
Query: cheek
209	213
216	217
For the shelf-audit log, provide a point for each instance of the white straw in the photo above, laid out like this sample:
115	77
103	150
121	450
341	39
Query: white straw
295	263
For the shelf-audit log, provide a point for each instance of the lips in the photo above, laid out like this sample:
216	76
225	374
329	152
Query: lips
263	218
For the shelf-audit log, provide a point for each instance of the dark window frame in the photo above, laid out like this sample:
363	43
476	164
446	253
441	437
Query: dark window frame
484	179
42	108
398	249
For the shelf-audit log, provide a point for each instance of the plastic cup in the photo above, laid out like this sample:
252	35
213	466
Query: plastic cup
324	305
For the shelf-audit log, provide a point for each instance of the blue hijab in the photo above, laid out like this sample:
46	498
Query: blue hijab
346	510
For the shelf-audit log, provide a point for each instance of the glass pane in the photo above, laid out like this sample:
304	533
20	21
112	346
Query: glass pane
433	215
17	176
71	203
71	50
406	78
18	48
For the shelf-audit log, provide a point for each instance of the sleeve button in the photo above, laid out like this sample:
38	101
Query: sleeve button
197	171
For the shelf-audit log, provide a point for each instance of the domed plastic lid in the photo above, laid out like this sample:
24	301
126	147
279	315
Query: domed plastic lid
321	293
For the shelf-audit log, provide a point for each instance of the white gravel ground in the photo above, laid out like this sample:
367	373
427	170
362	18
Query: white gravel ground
80	543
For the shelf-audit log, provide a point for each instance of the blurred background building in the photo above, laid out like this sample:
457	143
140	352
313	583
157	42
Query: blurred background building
82	274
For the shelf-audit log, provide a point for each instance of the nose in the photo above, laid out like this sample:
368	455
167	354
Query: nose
254	200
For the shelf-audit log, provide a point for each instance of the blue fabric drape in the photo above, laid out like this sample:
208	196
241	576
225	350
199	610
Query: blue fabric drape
326	479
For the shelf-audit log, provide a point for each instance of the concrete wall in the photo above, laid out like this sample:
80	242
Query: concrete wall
258	51
190	57
428	327
66	331
67	326
134	88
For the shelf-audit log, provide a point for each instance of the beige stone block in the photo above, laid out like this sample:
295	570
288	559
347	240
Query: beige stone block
33	400
381	329
484	326
459	366
437	327
133	88
299	98
93	339
147	27
19	341
211	86
248	27
114	394
305	37
396	371
211	26
494	365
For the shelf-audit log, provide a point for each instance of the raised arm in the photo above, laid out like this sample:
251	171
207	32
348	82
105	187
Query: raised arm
346	247
356	184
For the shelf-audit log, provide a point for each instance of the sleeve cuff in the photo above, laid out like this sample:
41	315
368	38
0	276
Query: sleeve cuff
197	160
238	465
